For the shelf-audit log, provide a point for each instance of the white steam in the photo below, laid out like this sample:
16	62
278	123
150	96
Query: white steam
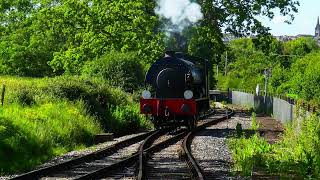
181	13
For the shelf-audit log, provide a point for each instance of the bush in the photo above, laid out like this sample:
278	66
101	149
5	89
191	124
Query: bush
42	118
249	154
25	97
296	155
126	119
120	69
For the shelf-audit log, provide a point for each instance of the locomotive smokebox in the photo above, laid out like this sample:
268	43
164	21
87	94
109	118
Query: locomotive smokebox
175	73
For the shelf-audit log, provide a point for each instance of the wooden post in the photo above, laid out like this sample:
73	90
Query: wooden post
3	93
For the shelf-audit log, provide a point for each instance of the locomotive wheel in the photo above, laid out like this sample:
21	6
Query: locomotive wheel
192	123
195	121
156	123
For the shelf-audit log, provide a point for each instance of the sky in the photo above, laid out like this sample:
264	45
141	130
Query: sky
304	23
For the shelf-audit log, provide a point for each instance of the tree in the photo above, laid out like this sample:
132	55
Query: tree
105	26
305	77
236	17
268	44
240	17
66	33
300	46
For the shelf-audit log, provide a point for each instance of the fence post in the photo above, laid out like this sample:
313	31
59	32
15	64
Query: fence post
3	93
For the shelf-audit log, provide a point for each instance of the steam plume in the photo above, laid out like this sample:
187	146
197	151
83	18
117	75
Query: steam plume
181	13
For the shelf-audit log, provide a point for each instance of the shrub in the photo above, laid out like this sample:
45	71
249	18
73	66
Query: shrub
25	97
120	69
125	118
42	118
249	154
296	155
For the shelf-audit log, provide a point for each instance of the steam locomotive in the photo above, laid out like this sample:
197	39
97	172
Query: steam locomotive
177	90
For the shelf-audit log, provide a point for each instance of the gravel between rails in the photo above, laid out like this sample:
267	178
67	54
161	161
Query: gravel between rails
211	151
167	164
130	172
127	173
78	153
88	167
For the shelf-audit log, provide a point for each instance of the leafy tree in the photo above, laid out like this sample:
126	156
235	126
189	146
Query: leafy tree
125	26
305	77
240	17
206	43
67	33
278	81
268	44
236	17
300	46
123	70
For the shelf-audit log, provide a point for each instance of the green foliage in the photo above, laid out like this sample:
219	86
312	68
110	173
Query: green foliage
278	80
248	154
25	97
44	38
254	123
305	76
31	135
226	82
267	44
206	43
126	118
240	17
294	66
297	154
43	118
300	46
242	54
119	69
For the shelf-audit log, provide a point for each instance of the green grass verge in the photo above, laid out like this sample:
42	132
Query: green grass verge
31	135
296	155
43	118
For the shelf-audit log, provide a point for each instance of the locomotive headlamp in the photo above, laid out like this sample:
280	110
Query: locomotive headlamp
188	94
146	94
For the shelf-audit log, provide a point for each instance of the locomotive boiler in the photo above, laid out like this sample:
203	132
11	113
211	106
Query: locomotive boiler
177	90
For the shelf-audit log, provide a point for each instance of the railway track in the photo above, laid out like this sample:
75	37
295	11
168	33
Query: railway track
76	168
131	158
195	169
167	163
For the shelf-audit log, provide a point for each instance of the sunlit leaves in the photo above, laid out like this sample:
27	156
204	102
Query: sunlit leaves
71	32
240	17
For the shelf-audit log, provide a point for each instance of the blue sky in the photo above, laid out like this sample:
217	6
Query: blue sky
304	23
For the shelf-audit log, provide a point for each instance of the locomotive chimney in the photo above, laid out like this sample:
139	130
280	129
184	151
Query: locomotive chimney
170	54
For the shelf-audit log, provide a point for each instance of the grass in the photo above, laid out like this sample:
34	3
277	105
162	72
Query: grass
296	155
43	118
31	135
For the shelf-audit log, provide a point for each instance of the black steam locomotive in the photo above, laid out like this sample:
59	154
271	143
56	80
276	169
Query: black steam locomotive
177	90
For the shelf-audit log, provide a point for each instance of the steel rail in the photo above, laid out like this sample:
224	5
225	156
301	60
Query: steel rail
132	159
145	144
196	171
36	174
144	155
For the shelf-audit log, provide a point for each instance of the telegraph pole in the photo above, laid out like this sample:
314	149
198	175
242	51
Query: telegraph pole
267	73
226	63
217	70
